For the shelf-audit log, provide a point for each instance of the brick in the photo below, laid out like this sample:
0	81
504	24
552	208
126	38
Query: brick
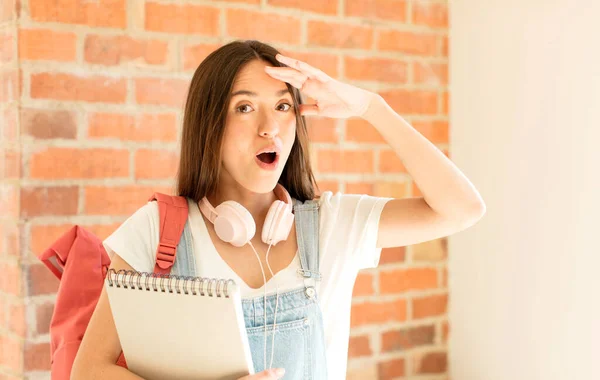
445	46
7	51
9	239
430	73
55	163
389	162
9	200
253	2
269	27
10	163
392	255
389	189
332	34
49	201
17	322
359	188
161	91
156	164
412	102
432	14
359	346
409	42
48	124
115	50
42	236
445	331
437	132
100	13
194	54
415	190
88	88
392	10
327	63
11	349
41	280
401	280
359	130
322	7
429	306
122	200
9	86
445	103
322	129
406	338
376	69
8	124
362	372
345	161
37	357
373	313
10	281
46	44
43	315
391	368
140	127
332	186
182	19
8	10
363	285
431	362
430	251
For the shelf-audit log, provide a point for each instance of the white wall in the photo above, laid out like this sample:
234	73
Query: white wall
525	128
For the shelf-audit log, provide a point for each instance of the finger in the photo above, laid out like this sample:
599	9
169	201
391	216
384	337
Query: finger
303	67
309	110
292	79
287	72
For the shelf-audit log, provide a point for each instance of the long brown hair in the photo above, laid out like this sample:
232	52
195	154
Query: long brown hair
204	124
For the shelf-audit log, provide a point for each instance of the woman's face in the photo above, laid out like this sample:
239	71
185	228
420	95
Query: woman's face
261	118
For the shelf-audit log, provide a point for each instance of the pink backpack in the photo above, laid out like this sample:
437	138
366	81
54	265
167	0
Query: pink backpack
80	262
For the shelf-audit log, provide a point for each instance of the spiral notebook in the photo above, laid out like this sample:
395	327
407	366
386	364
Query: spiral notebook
179	327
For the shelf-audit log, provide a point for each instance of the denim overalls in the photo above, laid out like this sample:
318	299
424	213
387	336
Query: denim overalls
299	335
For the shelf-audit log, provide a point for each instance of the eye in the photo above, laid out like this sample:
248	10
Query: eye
243	105
289	105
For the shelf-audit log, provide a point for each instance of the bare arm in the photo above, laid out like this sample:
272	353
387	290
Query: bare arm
100	347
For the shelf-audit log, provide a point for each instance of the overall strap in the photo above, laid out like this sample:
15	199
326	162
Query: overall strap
173	213
306	218
185	262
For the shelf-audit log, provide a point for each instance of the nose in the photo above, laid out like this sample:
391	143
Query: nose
269	127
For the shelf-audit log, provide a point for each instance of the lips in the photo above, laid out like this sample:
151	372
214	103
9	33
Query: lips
268	157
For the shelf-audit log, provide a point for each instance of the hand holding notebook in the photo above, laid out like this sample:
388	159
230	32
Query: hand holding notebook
176	327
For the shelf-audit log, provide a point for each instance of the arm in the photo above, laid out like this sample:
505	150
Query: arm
450	203
100	347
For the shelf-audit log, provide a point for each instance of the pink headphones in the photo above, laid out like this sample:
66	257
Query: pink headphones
234	224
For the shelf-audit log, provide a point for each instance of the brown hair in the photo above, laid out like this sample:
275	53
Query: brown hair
204	118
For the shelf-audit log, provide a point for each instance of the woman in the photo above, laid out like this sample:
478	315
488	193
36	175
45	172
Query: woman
244	136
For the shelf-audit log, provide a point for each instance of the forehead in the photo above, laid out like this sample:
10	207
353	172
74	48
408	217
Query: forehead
252	77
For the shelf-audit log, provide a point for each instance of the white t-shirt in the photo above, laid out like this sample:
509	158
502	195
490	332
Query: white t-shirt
348	225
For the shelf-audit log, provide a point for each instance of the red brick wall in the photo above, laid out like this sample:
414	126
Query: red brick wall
99	116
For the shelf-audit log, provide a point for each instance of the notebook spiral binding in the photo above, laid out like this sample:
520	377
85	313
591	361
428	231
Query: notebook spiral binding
130	279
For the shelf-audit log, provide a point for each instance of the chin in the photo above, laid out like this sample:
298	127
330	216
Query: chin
262	185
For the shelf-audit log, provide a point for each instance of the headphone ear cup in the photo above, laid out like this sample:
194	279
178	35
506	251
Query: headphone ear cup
234	224
277	226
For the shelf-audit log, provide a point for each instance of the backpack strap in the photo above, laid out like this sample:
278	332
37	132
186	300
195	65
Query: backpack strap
173	213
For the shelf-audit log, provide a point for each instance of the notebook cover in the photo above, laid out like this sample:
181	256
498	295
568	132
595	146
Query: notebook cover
168	335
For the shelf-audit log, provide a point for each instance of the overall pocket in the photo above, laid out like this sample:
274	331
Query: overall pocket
292	350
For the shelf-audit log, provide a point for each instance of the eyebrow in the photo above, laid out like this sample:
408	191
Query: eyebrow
250	93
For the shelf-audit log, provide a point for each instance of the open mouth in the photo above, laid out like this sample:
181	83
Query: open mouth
267	157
